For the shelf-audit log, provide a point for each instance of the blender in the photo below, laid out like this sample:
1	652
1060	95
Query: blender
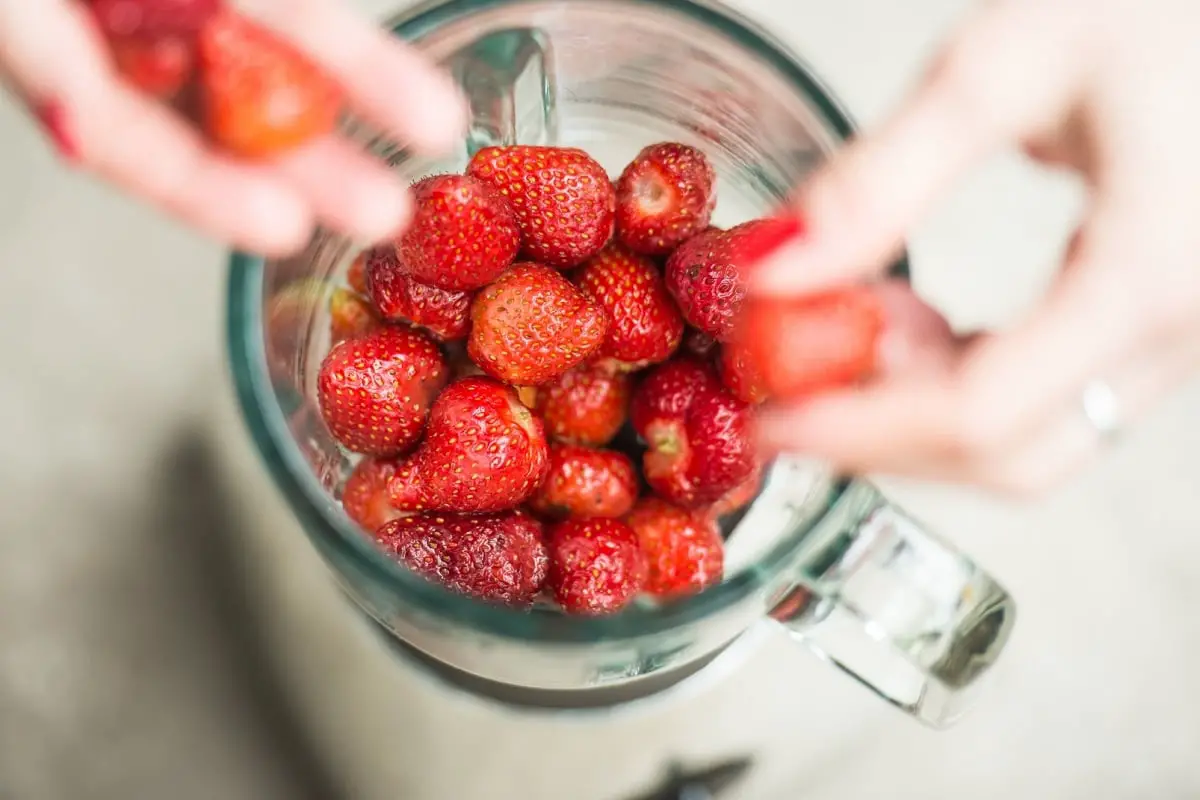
818	557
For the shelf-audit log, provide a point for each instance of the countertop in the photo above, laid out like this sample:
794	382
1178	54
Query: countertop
167	633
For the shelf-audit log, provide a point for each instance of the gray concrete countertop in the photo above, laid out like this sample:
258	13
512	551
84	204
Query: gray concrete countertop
167	633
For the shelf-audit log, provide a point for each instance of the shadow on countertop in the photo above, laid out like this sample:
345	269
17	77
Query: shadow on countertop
135	672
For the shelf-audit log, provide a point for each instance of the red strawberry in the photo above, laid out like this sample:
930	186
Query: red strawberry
401	298
152	19
683	549
582	482
532	325
483	451
645	326
462	236
706	274
563	199
698	434
365	497
587	405
356	275
350	316
500	558
738	497
665	197
814	343
375	390
698	343
259	94
667	391
740	374
596	566
160	67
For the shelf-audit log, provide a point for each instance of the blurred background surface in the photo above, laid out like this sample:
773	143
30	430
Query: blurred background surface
166	633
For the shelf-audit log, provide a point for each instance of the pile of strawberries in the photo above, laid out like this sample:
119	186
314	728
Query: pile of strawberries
250	92
534	312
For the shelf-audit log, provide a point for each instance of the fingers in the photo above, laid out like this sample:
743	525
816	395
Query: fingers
347	188
957	422
1000	79
1065	444
387	81
139	144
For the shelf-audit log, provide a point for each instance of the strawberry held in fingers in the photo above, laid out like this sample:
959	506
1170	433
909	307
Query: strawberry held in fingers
814	343
582	482
665	197
260	96
698	434
645	327
365	497
152	19
532	325
683	549
399	297
159	67
586	405
563	199
500	558
483	451
706	275
463	234
740	374
375	390
596	565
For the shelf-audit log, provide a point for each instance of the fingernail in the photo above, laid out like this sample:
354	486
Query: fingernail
53	117
774	235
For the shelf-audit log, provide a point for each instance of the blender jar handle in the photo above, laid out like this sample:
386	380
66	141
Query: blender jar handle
896	608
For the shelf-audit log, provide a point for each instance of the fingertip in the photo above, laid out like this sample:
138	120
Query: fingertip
378	208
444	117
275	220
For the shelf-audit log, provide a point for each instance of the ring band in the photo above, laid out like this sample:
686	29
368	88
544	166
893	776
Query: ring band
1101	409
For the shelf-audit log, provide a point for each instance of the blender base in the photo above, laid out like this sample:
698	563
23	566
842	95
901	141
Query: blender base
531	700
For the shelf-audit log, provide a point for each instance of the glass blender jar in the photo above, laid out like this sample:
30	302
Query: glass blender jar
826	558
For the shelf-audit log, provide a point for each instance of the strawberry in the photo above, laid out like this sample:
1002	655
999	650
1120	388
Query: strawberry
356	275
706	274
259	94
665	197
563	198
483	451
738	497
586	405
698	434
532	325
645	326
667	391
583	482
349	316
463	234
375	390
809	344
500	558
684	551
401	298
596	565
152	19
365	496
160	67
698	343
740	374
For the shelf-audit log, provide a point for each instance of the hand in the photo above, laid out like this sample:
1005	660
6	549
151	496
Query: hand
1102	87
54	59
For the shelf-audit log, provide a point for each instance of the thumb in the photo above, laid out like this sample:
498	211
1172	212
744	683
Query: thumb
1009	72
